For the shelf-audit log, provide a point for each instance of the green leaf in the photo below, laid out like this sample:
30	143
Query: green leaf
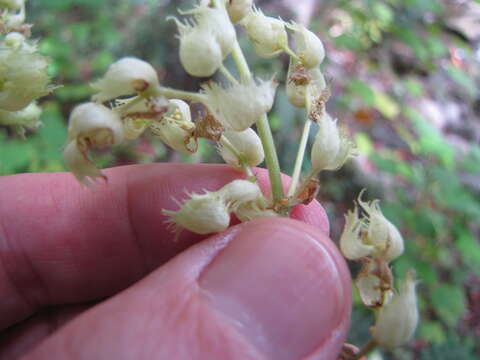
432	332
363	90
448	302
386	105
469	247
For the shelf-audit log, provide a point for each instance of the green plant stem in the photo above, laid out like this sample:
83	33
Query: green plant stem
179	94
302	148
366	349
228	74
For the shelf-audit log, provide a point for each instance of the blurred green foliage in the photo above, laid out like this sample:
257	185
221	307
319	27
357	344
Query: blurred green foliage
394	53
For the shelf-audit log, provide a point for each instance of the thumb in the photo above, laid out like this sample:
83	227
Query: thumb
266	289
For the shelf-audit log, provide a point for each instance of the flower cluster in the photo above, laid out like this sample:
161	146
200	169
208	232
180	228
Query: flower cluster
130	100
23	71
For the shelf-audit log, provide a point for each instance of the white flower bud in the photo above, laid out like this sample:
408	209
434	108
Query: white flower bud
308	46
372	235
299	78
331	148
240	191
202	214
397	321
79	164
200	53
268	34
91	125
176	128
239	9
127	76
248	145
12	4
23	78
27	118
240	106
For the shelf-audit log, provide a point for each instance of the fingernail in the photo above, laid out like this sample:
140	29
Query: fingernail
280	287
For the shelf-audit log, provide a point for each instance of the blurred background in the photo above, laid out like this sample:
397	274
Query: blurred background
404	76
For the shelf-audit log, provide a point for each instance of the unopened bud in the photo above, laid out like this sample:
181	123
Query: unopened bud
240	106
176	128
371	235
127	76
308	46
268	34
397	321
239	9
331	148
239	192
200	53
249	148
91	125
27	118
299	78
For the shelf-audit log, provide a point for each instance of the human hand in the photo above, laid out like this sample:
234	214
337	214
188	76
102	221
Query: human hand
96	274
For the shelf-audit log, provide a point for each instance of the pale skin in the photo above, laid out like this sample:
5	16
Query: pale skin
96	274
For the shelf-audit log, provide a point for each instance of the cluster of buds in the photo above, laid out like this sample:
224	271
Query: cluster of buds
375	242
23	71
130	100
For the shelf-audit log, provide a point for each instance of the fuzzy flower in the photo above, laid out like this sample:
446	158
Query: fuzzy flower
23	76
308	46
397	321
331	148
239	9
127	76
27	118
268	34
205	41
370	235
299	78
90	125
210	212
248	145
176	128
238	107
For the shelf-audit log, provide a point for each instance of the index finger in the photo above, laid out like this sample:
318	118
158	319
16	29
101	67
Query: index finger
62	244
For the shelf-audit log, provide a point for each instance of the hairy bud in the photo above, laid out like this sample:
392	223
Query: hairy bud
127	76
240	106
249	148
308	46
27	118
299	78
268	34
397	321
239	9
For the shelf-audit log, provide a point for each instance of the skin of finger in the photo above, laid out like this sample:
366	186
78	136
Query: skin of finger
167	315
63	244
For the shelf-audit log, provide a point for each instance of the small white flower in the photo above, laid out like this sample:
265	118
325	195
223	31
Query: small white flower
371	235
397	321
127	76
176	128
23	77
90	125
299	78
27	118
239	192
248	145
202	214
268	34
238	107
331	148
239	9
308	46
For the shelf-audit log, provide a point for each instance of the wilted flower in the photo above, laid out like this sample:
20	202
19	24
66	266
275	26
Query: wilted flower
23	76
375	283
238	107
127	76
308	46
268	34
371	235
91	125
331	148
27	118
176	128
249	148
299	78
397	321
238	9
